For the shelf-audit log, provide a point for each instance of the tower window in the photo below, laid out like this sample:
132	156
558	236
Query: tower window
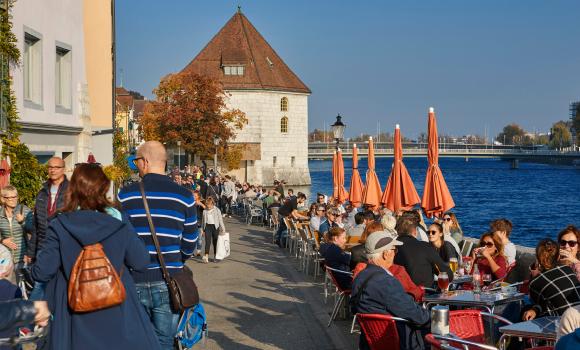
293	161
234	70
284	104
284	125
274	161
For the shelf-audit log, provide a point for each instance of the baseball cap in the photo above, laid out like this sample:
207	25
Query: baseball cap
380	241
6	265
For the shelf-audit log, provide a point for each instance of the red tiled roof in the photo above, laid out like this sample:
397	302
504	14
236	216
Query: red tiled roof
239	43
139	107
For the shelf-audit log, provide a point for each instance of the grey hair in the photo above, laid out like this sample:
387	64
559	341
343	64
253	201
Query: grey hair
8	189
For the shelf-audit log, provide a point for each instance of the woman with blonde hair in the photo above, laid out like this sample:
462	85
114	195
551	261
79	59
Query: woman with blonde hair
451	226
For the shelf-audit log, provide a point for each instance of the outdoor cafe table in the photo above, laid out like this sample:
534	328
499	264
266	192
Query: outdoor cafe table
467	298
540	328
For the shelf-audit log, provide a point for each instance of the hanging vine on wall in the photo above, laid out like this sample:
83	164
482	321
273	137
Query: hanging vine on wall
27	175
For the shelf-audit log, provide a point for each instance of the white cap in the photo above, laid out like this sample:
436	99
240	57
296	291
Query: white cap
397	126
354	145
431	110
370	138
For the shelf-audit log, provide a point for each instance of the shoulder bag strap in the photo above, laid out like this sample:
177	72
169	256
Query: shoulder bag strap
164	271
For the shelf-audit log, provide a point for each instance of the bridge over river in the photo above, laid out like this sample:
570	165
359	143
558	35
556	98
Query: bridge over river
514	154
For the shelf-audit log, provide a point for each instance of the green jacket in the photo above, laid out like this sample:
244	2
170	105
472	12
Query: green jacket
10	228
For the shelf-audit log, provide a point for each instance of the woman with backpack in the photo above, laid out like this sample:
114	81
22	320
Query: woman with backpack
87	259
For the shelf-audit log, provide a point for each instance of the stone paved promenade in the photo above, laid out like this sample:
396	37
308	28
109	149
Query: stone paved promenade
257	298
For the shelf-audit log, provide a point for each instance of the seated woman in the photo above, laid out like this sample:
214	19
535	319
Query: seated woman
489	256
451	226
553	288
335	257
436	239
568	239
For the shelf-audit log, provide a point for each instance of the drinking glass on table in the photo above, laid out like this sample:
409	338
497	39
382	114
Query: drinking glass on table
467	265
443	281
453	264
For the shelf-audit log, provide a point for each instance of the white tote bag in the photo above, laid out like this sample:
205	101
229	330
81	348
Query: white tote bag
223	246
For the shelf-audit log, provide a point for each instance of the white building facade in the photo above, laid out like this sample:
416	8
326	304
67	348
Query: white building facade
274	99
50	84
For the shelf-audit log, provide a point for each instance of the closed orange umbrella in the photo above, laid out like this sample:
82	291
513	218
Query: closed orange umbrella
356	184
400	192
342	195
334	176
436	196
4	173
372	193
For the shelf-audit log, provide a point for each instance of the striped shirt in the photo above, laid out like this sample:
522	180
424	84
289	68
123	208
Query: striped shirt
555	290
174	216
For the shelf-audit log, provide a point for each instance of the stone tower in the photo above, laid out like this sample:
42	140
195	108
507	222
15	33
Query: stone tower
275	100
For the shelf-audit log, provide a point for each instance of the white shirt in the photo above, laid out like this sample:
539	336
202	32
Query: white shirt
53	193
509	250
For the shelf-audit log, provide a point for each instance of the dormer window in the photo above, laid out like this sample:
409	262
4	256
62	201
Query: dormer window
234	70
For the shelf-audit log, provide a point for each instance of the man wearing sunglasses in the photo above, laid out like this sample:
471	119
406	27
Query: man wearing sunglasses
319	218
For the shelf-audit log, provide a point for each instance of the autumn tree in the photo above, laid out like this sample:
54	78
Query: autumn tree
512	134
192	109
560	136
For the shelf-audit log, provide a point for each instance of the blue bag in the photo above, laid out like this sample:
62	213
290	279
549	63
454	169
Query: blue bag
192	327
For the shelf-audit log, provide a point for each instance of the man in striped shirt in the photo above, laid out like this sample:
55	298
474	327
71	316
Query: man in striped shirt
174	217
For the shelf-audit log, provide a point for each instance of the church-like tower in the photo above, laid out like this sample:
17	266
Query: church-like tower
275	100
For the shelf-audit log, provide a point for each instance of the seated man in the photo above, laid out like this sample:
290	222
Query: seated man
319	218
359	227
376	291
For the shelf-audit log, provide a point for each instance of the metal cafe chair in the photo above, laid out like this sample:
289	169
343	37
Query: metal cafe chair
380	331
467	326
341	294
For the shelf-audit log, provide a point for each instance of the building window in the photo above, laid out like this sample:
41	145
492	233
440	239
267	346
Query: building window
284	104
63	78
274	161
234	70
284	125
292	161
32	65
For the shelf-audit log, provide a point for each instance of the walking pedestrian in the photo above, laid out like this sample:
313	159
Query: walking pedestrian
228	194
175	221
87	219
212	225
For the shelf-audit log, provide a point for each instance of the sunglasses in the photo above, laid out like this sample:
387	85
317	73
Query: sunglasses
447	219
486	244
135	160
432	233
572	244
55	167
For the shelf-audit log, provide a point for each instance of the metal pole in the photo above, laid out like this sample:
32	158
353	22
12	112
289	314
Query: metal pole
179	156
215	160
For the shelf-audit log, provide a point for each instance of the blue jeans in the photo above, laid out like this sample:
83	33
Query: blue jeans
282	233
155	298
38	292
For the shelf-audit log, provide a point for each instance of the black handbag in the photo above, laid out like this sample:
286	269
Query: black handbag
182	289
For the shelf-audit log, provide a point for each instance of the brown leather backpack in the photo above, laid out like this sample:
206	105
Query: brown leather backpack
94	284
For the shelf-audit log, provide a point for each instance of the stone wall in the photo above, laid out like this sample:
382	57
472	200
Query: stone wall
283	155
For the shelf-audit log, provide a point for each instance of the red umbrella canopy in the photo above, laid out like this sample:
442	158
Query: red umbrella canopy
342	195
400	192
356	184
436	196
372	192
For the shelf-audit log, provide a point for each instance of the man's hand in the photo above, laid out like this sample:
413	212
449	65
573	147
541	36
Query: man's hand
529	315
8	242
19	217
27	259
42	313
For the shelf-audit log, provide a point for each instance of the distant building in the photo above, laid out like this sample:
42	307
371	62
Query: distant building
128	110
275	100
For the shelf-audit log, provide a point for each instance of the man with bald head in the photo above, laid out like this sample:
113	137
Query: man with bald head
175	222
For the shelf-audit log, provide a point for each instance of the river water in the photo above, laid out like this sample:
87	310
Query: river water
539	199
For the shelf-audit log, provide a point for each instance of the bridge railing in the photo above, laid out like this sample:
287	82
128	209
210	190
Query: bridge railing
415	151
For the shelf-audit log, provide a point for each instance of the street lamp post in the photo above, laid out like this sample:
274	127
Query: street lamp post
216	142
338	130
179	155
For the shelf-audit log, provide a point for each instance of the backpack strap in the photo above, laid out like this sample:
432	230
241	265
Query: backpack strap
164	271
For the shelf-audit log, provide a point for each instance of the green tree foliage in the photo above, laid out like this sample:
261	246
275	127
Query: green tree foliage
561	136
120	170
512	134
26	173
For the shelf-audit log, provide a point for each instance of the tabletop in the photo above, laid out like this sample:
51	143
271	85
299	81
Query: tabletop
543	327
469	298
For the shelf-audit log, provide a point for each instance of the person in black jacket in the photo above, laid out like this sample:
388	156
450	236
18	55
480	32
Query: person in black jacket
335	256
419	258
437	241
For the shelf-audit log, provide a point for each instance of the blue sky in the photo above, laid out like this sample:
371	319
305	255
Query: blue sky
481	64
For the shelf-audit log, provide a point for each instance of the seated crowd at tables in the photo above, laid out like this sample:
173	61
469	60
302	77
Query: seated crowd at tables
392	260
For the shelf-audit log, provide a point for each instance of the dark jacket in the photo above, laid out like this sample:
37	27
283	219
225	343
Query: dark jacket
126	326
419	259
385	295
41	218
16	313
339	260
357	255
569	341
554	291
446	252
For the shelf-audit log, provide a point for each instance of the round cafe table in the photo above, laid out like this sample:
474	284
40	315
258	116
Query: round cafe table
543	328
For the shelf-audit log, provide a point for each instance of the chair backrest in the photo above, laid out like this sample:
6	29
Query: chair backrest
303	233
274	211
353	239
466	248
316	236
380	331
331	274
467	324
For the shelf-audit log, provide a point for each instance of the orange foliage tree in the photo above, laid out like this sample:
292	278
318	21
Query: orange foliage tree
192	109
